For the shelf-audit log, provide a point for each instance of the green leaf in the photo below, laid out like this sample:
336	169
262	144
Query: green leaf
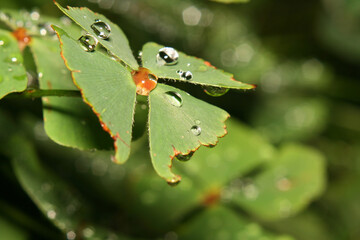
202	72
179	124
221	223
230	1
12	72
117	43
68	121
60	203
10	231
287	186
239	152
107	87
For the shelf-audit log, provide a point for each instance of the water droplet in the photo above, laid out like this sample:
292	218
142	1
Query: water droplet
173	182
88	232
188	64
174	98
45	29
249	189
184	75
4	16
167	56
184	158
2	42
14	60
196	130
152	77
197	122
10	69
88	42
215	91
35	15
101	29
40	75
51	214
71	235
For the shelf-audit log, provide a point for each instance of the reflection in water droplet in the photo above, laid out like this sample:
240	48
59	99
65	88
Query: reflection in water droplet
185	75
184	158
215	91
101	29
196	130
71	235
167	56
174	98
51	214
88	42
14	59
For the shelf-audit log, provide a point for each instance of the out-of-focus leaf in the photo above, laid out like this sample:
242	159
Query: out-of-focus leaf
239	152
68	121
9	231
117	43
222	223
230	1
107	87
12	72
291	119
286	186
179	124
61	204
202	72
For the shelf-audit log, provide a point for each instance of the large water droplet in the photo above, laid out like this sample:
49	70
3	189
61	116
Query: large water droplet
187	75
101	29
174	98
215	91
196	130
184	158
88	42
167	56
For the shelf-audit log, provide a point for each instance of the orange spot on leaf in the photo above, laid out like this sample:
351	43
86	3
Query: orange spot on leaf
211	198
22	37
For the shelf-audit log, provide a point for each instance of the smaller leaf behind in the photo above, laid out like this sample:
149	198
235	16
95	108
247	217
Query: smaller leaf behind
117	43
203	72
179	124
107	87
12	71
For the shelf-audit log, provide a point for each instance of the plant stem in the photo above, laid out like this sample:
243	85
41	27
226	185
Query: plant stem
38	93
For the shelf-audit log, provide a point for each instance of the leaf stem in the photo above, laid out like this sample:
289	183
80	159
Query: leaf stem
38	93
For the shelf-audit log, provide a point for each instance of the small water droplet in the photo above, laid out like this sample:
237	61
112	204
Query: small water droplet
88	42
215	91
187	75
101	29
51	214
197	122
71	235
174	98
10	69
196	130
40	75
173	182
45	29
167	56
188	64
2	43
35	15
184	158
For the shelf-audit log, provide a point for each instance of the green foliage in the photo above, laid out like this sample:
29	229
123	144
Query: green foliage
288	167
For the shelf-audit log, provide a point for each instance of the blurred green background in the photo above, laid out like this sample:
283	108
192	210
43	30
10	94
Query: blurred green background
300	126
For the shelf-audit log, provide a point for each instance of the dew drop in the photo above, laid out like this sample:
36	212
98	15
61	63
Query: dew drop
71	235
51	214
187	75
167	56
10	69
174	98
45	29
2	43
173	182
196	130
35	15
4	16
197	122
215	91
88	42
184	158
101	29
